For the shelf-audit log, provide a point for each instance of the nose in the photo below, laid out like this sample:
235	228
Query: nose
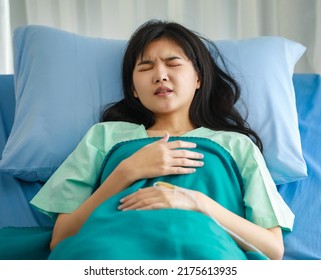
160	74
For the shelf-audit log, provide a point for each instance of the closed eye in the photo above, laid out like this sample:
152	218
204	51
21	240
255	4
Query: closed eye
144	69
144	65
171	65
174	64
173	61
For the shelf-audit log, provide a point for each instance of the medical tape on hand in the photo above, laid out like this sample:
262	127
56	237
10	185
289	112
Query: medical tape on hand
172	188
179	194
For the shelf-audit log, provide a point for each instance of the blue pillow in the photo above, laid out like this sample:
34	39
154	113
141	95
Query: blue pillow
264	68
62	80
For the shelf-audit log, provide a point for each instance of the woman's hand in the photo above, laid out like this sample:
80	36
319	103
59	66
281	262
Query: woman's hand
160	196
248	235
162	158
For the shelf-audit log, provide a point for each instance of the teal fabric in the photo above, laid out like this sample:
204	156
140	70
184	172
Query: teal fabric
78	176
7	107
165	233
219	168
25	243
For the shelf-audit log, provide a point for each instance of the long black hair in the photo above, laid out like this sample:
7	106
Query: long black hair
213	105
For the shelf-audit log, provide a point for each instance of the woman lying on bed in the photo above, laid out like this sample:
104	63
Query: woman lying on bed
176	150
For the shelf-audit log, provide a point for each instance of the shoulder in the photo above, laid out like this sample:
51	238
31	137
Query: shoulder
114	126
241	148
106	134
231	141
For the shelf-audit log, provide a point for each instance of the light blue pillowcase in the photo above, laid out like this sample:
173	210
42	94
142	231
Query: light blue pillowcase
62	80
264	68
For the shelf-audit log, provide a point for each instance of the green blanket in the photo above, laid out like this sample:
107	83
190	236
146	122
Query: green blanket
25	243
166	233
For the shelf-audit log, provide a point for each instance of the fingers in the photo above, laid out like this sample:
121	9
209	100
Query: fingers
185	161
176	144
186	154
182	157
141	199
161	195
180	144
162	158
165	137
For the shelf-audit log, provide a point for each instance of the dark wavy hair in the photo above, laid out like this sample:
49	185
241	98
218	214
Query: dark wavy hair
213	105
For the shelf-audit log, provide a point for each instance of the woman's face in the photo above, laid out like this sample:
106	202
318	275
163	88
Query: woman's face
164	78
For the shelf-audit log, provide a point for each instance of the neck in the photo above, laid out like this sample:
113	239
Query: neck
173	127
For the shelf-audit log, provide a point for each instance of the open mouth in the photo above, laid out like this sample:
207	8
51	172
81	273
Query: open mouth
162	91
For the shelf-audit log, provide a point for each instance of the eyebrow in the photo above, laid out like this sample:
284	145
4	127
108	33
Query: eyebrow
167	59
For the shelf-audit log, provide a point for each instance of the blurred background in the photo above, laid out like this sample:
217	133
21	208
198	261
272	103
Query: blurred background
297	20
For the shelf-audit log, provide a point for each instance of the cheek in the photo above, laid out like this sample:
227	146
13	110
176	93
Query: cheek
141	85
194	81
138	81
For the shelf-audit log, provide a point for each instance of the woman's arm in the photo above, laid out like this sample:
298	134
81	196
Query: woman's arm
68	224
156	159
268	241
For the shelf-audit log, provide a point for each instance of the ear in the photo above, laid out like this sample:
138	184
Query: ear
198	85
135	94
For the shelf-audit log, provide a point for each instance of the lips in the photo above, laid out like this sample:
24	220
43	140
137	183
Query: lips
163	91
